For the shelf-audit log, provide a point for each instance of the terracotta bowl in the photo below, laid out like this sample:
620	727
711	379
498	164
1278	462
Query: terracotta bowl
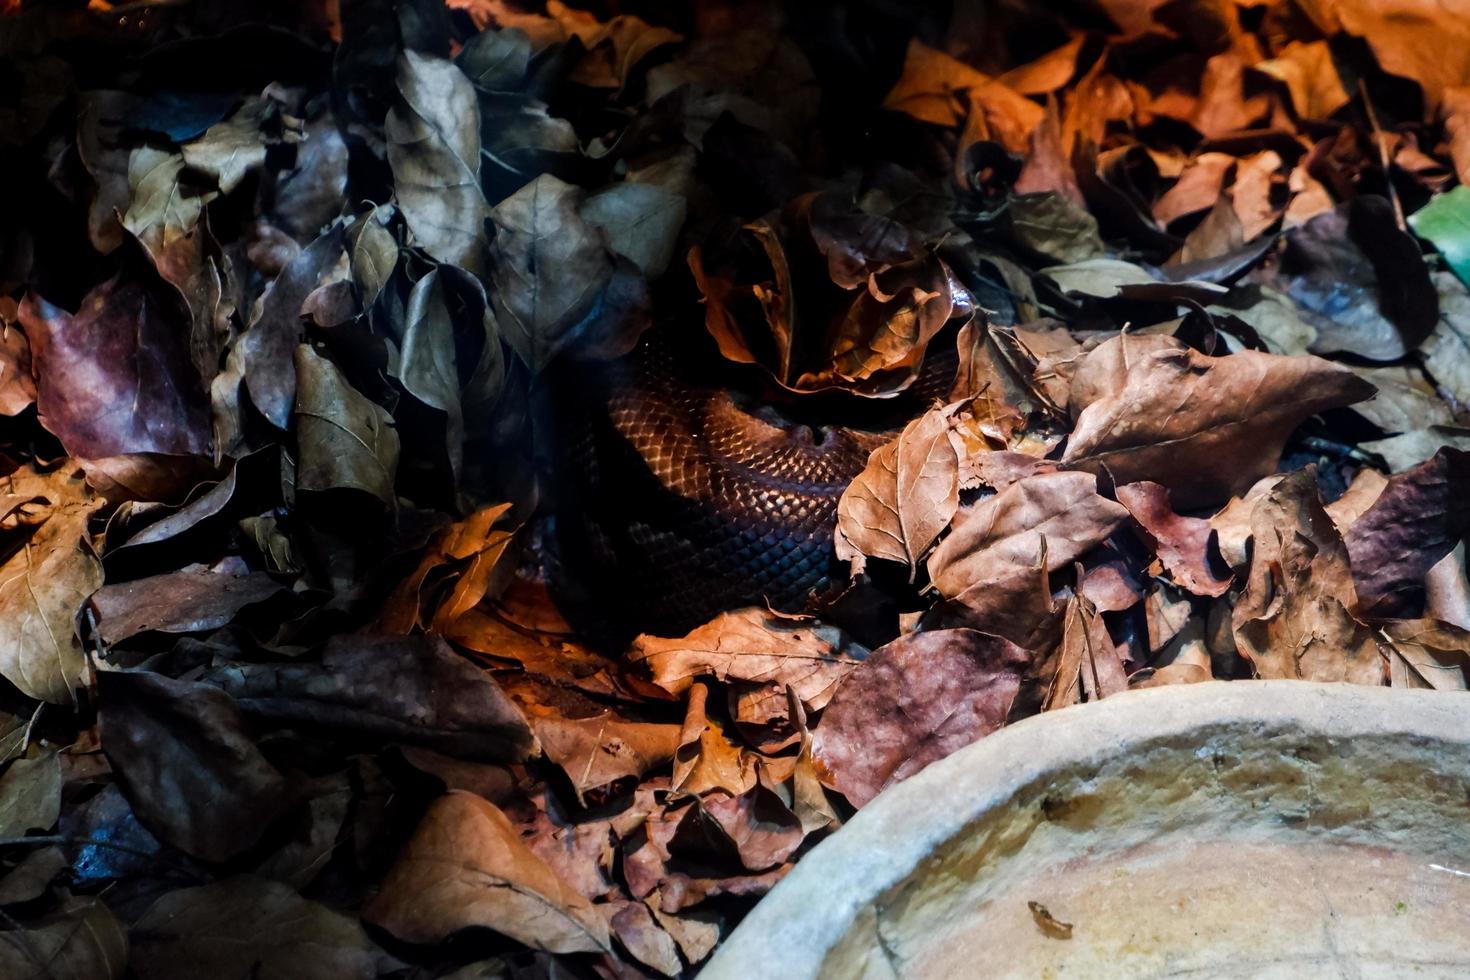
1248	829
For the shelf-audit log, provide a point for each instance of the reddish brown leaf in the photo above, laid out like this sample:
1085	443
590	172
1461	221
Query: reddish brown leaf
466	866
904	497
913	702
1182	543
1204	427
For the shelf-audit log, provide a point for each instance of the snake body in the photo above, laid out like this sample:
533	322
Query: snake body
678	501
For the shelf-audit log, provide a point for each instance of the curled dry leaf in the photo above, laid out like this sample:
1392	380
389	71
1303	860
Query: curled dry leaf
43	586
344	439
999	547
1295	618
1086	662
1182	543
466	866
755	646
80	939
904	497
190	770
409	689
1204	427
708	758
1428	653
1416	520
913	702
433	142
112	378
548	267
245	927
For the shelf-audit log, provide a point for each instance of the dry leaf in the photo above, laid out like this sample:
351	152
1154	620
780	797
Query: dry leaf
913	702
466	866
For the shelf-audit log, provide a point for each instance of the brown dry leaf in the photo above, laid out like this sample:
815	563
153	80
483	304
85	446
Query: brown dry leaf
251	927
1294	620
112	378
411	689
755	646
472	554
1415	521
466	866
191	600
81	939
1428	653
1086	662
762	829
1420	40
43	586
344	439
913	702
433	145
190	770
1307	70
598	751
1204	427
930	85
548	268
30	795
1182	543
1058	515
897	506
708	758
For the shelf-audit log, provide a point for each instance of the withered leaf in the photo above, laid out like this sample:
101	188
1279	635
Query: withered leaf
112	378
190	600
1295	618
1182	543
427	366
913	702
1204	427
410	689
1086	662
641	222
345	440
466	866
30	795
80	939
1427	653
1057	516
752	645
707	757
244	927
433	143
904	497
595	752
190	770
42	588
1417	519
548	268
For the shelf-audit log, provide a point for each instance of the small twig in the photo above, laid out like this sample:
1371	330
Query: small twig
1393	194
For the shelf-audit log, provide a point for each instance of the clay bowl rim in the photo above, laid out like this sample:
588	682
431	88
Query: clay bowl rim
845	873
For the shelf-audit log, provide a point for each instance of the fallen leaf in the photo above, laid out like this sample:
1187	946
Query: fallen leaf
345	440
598	751
755	646
42	588
913	702
1204	427
548	268
897	506
112	379
1294	620
408	689
1417	519
190	600
182	755
30	795
80	939
466	866
244	927
433	145
1428	654
1182	543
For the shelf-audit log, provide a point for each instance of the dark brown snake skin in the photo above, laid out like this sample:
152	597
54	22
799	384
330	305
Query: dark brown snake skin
678	503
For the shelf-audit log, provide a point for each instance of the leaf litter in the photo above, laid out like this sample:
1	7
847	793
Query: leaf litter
285	292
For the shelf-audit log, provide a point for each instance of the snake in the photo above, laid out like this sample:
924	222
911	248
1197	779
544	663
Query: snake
681	497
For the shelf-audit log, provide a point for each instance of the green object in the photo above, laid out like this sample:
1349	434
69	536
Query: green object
1445	221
